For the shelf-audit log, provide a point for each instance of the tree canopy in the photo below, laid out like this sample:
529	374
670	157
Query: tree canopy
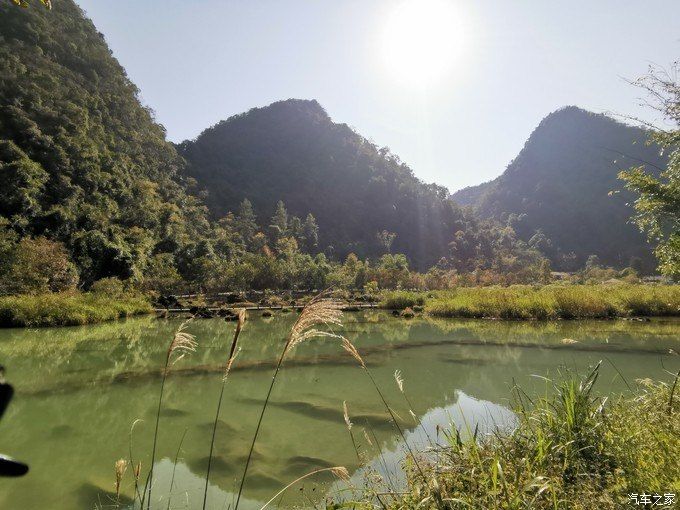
657	202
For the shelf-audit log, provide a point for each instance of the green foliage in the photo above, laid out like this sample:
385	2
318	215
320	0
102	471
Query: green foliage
386	239
561	193
35	266
25	4
657	206
246	222
279	222
67	309
399	300
81	161
108	287
569	451
310	231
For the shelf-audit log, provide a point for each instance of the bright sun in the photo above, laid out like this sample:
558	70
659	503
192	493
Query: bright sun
422	40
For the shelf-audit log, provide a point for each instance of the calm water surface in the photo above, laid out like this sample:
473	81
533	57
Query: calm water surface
79	391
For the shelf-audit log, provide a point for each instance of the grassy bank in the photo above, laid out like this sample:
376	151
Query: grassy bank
548	302
569	451
68	309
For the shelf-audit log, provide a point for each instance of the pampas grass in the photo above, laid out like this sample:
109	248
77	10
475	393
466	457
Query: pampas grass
230	360
183	343
119	467
320	311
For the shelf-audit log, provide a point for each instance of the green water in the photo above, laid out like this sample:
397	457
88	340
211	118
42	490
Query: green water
79	390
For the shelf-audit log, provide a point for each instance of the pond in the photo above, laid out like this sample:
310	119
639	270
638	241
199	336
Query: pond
79	391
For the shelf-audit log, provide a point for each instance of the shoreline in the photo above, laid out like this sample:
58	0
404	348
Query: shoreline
519	303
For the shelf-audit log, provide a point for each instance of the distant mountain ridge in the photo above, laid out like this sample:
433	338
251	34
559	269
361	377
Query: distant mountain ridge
559	188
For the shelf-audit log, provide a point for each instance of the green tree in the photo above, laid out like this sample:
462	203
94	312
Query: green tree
657	206
295	228
37	266
279	223
246	222
386	239
593	262
311	233
21	183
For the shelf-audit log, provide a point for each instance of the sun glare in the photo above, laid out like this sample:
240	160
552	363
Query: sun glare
422	40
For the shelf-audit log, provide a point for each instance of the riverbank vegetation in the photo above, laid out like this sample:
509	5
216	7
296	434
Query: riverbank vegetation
69	309
569	450
545	302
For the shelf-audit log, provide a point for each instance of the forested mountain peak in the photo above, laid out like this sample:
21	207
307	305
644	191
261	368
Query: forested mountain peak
290	111
292	151
563	186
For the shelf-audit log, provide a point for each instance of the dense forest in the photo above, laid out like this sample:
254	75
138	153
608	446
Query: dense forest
277	197
562	194
81	161
292	151
90	184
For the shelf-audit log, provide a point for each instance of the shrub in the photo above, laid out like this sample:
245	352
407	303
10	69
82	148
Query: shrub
37	266
109	287
400	299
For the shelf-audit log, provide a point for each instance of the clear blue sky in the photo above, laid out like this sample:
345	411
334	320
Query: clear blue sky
497	67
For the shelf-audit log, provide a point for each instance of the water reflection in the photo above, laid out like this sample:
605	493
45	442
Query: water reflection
80	389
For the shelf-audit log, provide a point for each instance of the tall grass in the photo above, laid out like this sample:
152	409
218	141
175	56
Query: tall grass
68	309
182	344
556	302
569	451
227	369
319	311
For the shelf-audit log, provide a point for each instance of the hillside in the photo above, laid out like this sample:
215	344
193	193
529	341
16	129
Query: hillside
560	184
292	151
81	160
90	187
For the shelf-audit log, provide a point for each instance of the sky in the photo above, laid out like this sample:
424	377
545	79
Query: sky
453	87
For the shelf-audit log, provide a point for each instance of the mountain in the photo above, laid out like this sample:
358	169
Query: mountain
81	160
556	192
292	151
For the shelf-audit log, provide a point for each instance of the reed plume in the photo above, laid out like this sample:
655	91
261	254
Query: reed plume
120	467
183	343
320	311
348	422
230	360
345	413
400	384
399	379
